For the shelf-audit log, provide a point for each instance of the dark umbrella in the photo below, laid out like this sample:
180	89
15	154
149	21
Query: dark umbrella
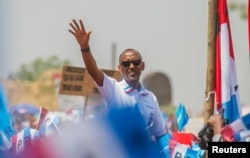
24	109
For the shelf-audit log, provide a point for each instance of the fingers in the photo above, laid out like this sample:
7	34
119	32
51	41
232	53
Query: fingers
75	26
73	33
82	27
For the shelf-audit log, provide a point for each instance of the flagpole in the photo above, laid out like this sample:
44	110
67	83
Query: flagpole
211	48
85	106
210	78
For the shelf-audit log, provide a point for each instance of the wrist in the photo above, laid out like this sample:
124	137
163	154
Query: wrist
217	129
85	49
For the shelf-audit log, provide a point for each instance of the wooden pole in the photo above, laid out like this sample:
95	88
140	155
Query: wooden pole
211	44
210	80
113	56
85	106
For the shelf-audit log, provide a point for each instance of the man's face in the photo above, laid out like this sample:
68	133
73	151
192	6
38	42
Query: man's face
131	66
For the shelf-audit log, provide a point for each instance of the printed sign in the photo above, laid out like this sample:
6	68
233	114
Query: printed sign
77	81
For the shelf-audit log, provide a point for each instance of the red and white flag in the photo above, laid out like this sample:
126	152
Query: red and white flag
22	140
226	86
181	150
47	122
238	130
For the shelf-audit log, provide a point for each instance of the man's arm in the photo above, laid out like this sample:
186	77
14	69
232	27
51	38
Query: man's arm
82	37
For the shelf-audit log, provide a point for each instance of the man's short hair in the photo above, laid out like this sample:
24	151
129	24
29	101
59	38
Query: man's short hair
128	50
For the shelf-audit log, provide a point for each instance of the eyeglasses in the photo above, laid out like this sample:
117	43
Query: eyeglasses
134	62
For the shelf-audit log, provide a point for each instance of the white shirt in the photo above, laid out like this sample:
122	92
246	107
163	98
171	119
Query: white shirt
121	94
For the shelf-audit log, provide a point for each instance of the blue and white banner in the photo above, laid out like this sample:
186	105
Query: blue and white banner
182	117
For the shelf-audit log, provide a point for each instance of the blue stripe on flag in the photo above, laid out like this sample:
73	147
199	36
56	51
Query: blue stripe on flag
231	110
182	116
191	153
26	136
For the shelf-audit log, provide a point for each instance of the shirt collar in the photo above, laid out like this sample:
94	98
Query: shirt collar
128	89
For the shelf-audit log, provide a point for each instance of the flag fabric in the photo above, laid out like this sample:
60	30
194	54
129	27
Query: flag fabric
182	116
189	142
6	129
163	145
185	138
200	152
17	143
28	143
47	122
226	86
242	135
22	140
237	130
4	141
181	150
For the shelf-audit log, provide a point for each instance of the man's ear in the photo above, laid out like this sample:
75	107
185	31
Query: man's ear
142	66
119	68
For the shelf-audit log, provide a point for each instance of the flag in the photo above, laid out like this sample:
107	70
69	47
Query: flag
182	151
237	130
47	122
163	145
28	143
182	116
17	143
185	138
226	86
5	142
200	152
242	135
22	140
6	129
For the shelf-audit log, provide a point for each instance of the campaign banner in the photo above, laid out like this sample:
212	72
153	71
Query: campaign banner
77	81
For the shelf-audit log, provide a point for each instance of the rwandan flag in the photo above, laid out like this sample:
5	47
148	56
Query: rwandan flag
226	86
